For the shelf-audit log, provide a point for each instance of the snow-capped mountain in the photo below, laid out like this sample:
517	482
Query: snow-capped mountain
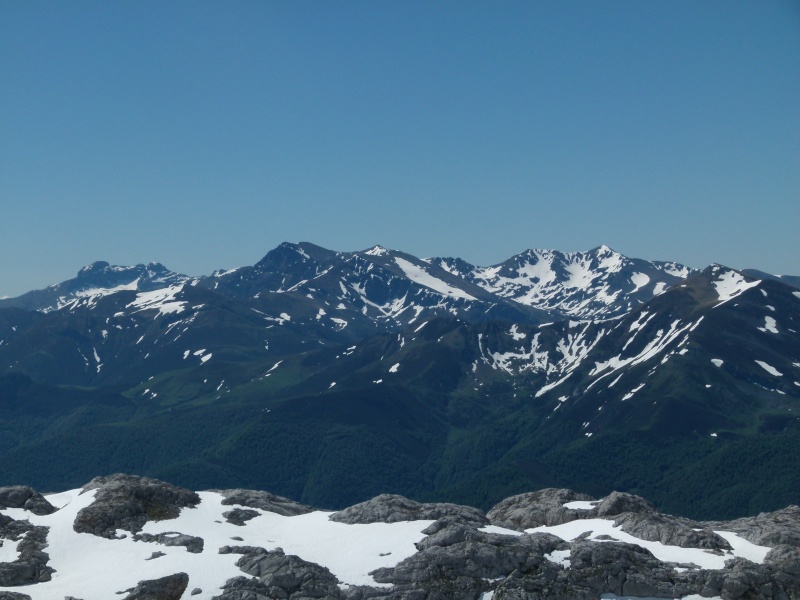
140	538
377	371
95	281
596	284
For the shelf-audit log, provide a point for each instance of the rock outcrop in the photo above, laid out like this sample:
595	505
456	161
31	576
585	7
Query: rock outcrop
128	502
30	566
277	575
170	587
391	508
22	496
265	501
544	507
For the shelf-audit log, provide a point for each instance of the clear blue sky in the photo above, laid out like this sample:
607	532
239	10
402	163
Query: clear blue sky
203	134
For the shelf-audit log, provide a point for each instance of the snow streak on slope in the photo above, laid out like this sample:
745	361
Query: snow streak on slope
422	277
163	300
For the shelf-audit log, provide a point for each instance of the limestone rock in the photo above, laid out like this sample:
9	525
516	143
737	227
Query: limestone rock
170	587
672	531
543	507
30	567
238	516
265	501
391	508
173	538
13	596
22	496
766	529
280	576
128	502
617	503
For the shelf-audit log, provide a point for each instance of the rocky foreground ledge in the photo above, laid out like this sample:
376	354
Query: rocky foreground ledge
135	538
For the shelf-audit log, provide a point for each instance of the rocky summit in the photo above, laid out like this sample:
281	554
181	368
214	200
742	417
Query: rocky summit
131	537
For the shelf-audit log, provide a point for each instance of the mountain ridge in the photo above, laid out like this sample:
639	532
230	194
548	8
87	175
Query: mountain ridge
378	372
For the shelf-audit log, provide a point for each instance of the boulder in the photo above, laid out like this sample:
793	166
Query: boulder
265	501
391	508
238	516
534	509
128	502
192	543
170	587
279	576
22	496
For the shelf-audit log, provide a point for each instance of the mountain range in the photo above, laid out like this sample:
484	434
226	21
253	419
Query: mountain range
332	377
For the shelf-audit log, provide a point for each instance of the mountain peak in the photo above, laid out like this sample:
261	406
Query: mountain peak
95	267
377	251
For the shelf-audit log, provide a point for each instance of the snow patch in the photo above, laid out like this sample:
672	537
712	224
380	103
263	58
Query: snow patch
639	280
769	369
731	284
419	275
770	325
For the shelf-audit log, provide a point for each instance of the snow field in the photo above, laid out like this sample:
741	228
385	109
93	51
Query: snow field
95	568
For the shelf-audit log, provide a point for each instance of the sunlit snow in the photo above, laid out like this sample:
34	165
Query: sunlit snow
769	368
111	566
770	325
422	277
731	284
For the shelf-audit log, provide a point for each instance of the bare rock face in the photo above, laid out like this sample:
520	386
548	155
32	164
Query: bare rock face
617	503
13	596
170	587
22	496
192	543
277	575
31	565
669	530
239	516
265	501
128	502
534	509
391	508
766	529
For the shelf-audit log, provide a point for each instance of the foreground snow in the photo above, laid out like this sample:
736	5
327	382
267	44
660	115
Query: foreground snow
95	568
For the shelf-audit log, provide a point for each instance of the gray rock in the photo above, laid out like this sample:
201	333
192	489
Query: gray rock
265	501
22	496
244	550
196	591
30	567
13	596
534	509
238	516
617	503
455	561
672	531
391	508
279	576
766	529
192	543
128	502
170	587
